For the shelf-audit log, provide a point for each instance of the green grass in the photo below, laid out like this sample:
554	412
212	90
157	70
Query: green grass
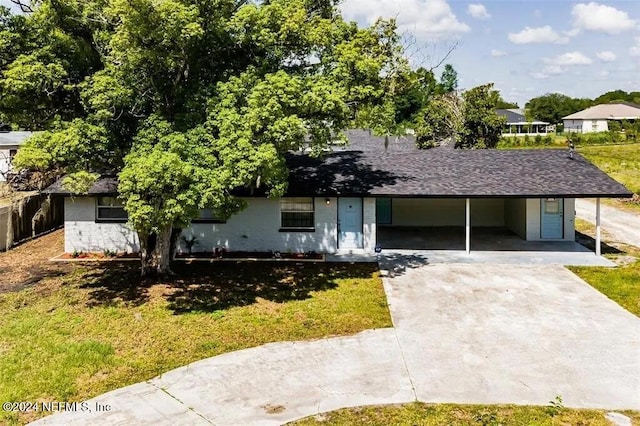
100	328
415	414
622	162
621	284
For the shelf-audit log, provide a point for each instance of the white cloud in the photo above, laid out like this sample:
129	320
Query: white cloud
497	53
544	34
599	17
635	50
478	11
569	58
572	33
606	56
432	19
560	64
539	75
553	69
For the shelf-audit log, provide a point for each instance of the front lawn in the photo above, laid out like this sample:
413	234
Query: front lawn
620	284
418	413
98	327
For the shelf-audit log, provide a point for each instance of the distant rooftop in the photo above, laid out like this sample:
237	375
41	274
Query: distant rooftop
517	116
13	138
619	111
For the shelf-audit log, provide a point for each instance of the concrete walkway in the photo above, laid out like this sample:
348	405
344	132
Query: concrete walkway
622	225
463	333
540	253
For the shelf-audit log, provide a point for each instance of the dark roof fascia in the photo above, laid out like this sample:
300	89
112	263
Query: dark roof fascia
456	196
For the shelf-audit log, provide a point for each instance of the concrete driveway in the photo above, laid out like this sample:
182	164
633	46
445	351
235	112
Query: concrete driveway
513	334
463	333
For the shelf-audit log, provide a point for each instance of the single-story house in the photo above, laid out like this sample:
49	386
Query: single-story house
362	195
517	124
596	118
10	143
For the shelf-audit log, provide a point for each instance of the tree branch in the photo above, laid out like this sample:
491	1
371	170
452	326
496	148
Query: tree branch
25	5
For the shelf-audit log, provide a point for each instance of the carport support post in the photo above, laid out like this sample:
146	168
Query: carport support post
598	228
468	226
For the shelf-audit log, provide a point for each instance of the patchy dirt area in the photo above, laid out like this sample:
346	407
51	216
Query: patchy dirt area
28	263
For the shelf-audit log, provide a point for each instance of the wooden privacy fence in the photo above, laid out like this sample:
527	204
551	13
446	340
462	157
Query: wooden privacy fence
28	217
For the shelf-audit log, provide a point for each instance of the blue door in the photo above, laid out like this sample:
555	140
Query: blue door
551	218
350	223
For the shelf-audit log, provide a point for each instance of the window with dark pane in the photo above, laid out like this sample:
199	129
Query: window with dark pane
110	208
209	216
297	212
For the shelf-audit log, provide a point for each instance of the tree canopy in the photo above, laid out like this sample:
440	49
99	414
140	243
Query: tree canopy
186	100
468	121
553	106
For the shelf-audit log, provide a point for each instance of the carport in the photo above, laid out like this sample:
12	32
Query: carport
485	224
446	223
453	199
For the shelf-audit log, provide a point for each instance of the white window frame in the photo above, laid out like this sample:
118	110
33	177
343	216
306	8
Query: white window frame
115	204
285	209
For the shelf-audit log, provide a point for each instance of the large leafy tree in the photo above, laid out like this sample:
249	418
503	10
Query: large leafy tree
187	100
553	106
482	126
468	121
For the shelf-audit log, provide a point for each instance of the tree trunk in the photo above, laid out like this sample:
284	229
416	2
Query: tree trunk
175	235
161	256
147	244
155	253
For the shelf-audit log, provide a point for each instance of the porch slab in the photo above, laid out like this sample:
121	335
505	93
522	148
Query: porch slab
574	255
543	257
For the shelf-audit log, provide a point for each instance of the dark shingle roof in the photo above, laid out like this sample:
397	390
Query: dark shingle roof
452	173
13	138
106	185
365	168
516	115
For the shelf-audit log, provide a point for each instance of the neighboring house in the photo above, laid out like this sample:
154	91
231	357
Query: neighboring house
595	118
357	196
10	142
517	124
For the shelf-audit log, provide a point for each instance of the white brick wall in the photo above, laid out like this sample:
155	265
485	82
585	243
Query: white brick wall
257	228
369	223
81	232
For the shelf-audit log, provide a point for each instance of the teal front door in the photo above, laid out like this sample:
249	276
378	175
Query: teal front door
350	223
551	218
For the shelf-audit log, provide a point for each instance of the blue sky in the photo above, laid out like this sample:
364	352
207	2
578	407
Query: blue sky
527	48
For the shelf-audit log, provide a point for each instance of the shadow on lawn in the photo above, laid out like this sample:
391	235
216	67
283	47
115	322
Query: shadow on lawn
117	283
590	243
208	287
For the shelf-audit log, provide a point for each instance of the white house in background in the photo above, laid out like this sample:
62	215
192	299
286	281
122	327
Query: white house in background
372	194
595	118
10	143
517	124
